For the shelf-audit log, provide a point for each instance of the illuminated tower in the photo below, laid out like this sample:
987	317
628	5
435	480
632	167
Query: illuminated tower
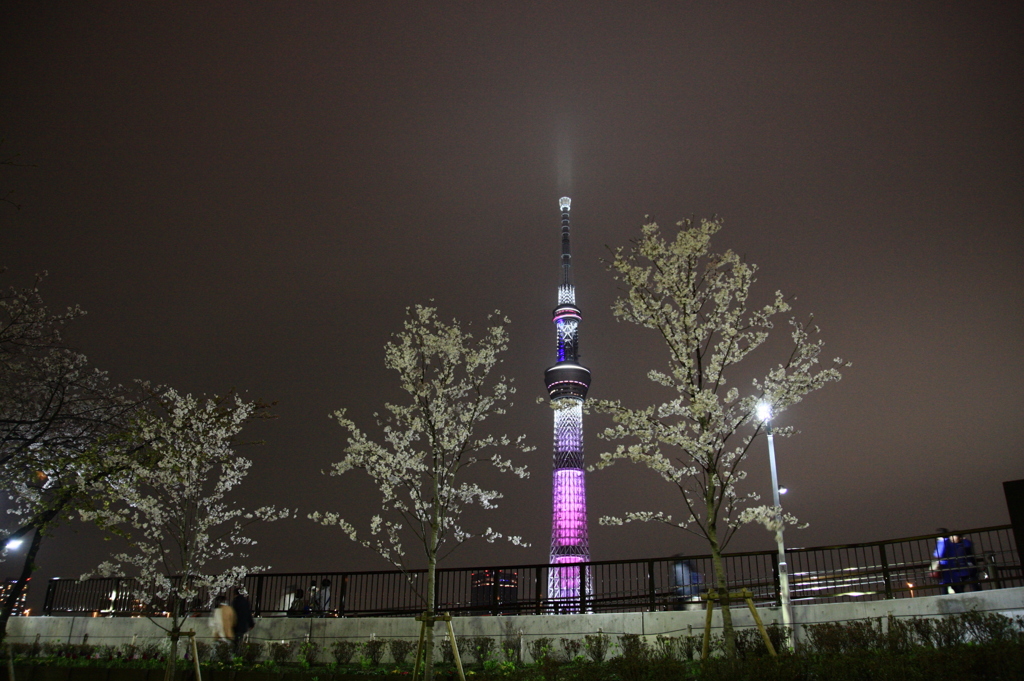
567	383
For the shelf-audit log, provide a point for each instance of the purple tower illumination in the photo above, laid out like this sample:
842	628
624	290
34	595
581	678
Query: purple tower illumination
567	383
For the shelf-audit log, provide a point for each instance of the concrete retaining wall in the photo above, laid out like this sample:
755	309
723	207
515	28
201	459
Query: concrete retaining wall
120	630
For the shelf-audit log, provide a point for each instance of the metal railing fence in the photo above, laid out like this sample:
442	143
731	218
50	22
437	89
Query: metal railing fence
897	568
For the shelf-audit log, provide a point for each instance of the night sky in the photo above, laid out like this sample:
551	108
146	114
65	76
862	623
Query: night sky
250	194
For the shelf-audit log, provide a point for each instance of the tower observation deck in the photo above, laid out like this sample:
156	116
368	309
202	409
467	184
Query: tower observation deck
567	383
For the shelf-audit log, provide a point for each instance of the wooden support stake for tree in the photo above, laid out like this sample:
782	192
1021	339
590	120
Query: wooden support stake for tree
712	596
455	647
195	653
427	621
10	661
749	597
419	648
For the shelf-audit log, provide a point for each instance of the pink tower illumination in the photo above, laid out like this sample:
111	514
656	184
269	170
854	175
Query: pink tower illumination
567	382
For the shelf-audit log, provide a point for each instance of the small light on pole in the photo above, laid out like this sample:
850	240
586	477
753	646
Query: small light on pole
13	544
764	413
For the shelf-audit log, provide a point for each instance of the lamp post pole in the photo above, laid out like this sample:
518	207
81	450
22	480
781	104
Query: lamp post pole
787	612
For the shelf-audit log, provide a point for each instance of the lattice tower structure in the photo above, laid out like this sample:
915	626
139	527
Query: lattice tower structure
567	383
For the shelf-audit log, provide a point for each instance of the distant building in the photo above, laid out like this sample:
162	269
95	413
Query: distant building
492	589
5	591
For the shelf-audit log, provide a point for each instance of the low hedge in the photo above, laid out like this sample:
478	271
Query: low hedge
990	661
965	646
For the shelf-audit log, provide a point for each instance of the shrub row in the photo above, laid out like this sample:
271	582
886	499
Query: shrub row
902	635
627	656
249	653
990	661
86	651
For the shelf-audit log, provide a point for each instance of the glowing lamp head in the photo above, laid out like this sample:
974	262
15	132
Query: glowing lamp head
563	203
14	544
783	490
764	411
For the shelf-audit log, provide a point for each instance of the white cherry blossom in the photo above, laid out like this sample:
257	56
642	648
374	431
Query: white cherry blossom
185	537
61	425
698	438
428	443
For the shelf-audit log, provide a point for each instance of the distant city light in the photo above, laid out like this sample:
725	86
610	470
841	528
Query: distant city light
783	490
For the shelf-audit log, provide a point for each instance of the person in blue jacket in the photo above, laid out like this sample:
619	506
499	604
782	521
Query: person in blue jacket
957	567
686	582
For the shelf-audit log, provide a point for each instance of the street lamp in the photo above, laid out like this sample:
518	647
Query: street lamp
764	412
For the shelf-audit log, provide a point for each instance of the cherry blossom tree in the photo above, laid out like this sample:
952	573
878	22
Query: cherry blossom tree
61	425
185	537
697	439
429	443
49	395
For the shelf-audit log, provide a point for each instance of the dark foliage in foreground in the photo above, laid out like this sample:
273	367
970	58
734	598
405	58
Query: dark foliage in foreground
991	662
968	646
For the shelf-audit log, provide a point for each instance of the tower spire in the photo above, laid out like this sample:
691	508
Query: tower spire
564	203
567	383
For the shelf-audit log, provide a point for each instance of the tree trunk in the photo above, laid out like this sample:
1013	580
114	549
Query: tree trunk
19	586
172	656
428	658
722	586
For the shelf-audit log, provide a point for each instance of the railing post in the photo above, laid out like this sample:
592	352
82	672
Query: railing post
494	591
48	601
652	594
257	597
583	588
992	566
775	579
536	589
885	571
342	595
